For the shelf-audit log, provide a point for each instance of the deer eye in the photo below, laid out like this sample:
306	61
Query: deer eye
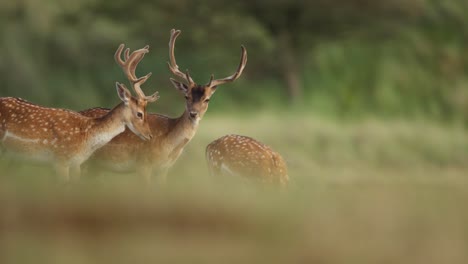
207	100
186	97
140	115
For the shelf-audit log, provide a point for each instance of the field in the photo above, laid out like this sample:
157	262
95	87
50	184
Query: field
362	191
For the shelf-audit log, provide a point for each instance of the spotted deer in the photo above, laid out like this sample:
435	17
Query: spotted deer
236	155
64	137
127	153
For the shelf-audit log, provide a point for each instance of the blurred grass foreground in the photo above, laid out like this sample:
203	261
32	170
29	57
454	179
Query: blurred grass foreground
366	100
361	192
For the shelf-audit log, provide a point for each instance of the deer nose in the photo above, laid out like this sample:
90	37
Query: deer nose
193	114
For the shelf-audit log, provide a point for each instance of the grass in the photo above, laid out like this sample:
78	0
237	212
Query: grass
367	191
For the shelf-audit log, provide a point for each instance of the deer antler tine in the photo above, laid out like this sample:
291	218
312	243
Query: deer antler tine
175	33
118	55
148	75
133	61
172	61
152	98
143	79
139	82
243	57
187	76
137	85
242	63
175	69
170	67
129	67
237	74
211	80
126	53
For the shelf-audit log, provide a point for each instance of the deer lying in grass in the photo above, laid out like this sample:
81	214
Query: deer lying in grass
236	155
127	153
66	138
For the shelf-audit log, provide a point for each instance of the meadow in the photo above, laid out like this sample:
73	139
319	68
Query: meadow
361	191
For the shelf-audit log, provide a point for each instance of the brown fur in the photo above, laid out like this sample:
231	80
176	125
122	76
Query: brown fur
62	137
127	153
245	156
171	135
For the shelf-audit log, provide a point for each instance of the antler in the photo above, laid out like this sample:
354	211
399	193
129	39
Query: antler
173	64
233	77
129	66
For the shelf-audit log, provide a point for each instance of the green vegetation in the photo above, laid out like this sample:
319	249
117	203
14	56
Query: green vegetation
348	58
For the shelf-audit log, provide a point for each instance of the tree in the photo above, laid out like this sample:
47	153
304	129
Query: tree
296	26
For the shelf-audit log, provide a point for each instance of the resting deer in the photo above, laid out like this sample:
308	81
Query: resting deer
244	156
66	138
127	153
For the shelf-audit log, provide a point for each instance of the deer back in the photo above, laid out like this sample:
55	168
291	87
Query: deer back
245	156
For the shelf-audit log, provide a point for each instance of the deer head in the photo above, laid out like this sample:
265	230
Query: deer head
135	114
197	97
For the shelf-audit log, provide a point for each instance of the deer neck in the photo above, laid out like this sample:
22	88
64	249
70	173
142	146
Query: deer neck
183	130
105	128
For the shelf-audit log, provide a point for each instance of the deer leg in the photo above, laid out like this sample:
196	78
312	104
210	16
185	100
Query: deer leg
90	170
2	132
212	172
145	173
8	165
85	171
161	178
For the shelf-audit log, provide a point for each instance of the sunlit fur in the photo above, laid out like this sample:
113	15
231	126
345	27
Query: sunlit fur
235	155
62	137
128	153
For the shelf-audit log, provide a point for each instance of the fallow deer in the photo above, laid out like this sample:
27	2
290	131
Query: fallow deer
243	156
64	137
127	153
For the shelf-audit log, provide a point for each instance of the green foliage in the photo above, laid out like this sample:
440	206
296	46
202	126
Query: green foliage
351	58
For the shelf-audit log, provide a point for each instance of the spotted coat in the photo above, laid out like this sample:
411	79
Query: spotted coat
245	156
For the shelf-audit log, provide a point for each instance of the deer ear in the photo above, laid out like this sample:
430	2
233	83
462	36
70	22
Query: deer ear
179	86
123	92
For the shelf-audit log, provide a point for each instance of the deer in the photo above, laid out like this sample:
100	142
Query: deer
127	153
66	138
242	156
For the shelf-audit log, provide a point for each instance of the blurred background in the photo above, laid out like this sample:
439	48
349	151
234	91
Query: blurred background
367	100
342	58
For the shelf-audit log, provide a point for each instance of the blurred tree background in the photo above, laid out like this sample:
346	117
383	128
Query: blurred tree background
345	58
